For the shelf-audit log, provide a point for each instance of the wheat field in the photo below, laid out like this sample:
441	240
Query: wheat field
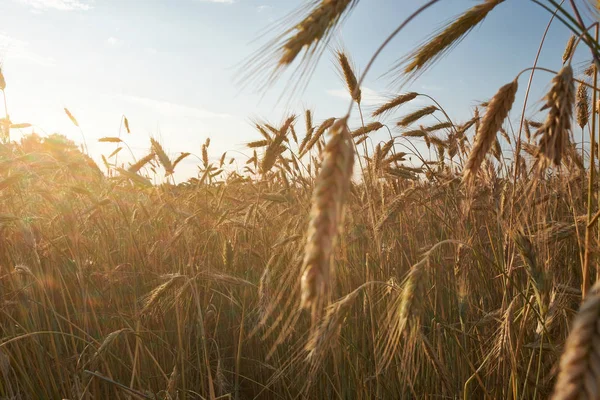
327	265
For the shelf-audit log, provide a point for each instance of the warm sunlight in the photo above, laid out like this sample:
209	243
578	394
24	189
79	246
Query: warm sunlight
300	199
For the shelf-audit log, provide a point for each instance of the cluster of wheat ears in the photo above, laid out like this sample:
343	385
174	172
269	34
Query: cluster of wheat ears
468	273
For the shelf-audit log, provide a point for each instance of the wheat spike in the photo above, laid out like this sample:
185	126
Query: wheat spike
555	130
180	158
363	130
395	102
205	155
579	376
495	115
583	106
568	49
328	198
257	144
317	135
399	313
162	156
314	28
126	123
2	80
157	293
324	336
426	54
437	127
308	121
417	115
71	117
134	168
349	76
110	338
274	150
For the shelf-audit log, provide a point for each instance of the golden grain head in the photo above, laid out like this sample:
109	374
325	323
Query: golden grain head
430	51
554	133
314	28
579	363
568	49
496	113
417	115
2	80
328	199
394	103
349	76
583	106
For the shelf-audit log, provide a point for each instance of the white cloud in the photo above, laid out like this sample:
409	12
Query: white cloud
62	5
114	42
263	8
174	110
218	1
369	96
19	49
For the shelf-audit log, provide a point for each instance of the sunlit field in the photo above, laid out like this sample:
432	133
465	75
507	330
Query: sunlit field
456	259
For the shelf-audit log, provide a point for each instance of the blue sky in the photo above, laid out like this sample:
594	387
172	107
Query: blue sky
170	66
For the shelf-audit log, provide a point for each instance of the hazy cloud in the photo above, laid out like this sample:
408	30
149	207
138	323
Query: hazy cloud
114	42
217	1
174	110
62	5
11	47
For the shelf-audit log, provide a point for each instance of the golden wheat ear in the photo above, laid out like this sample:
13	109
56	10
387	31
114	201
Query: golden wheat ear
425	55
347	71
582	106
2	81
393	103
568	49
496	113
554	133
305	39
579	376
328	198
162	156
